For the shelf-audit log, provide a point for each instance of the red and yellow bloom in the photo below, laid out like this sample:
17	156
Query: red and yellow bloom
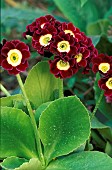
105	84
63	68
38	24
14	56
72	48
102	63
42	40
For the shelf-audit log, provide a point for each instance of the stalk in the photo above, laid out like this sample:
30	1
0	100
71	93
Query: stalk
38	143
97	104
60	83
4	90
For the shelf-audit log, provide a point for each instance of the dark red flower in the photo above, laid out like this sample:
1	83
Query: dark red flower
30	29
93	53
42	21
41	41
50	37
63	44
102	63
69	28
38	24
14	56
84	55
105	84
62	68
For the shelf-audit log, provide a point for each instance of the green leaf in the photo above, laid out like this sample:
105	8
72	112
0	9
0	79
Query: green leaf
9	101
16	163
33	164
108	149
41	86
82	161
105	131
40	109
63	128
12	162
96	124
16	101
97	28
95	40
17	137
109	14
88	10
83	2
71	10
104	107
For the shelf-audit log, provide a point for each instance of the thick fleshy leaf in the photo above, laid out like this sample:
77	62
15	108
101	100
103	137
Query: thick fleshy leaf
16	163
17	137
104	107
68	7
63	128
108	148
97	28
41	86
40	109
16	101
96	124
82	161
13	162
9	101
95	39
33	164
104	131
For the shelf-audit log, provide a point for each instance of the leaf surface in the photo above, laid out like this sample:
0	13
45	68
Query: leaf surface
63	128
82	161
41	86
17	137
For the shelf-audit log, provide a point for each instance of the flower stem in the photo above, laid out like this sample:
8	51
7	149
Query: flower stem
97	104
60	83
4	90
40	154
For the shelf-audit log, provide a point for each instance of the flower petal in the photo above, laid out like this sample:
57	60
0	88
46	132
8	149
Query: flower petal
6	66
25	53
13	71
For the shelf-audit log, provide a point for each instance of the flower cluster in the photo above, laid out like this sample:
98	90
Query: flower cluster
71	49
103	64
14	55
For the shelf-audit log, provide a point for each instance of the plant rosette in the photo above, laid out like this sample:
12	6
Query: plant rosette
40	128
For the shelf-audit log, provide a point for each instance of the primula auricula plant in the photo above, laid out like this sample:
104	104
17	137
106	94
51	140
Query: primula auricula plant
40	128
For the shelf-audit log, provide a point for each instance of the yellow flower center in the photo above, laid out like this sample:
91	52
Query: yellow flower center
63	46
109	83
44	39
62	65
104	67
14	57
70	32
78	57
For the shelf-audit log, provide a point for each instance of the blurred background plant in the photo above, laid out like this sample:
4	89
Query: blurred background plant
94	17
